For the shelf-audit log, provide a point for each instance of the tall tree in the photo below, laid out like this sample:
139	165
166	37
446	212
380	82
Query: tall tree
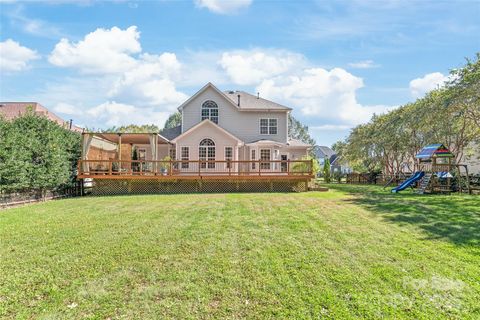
299	131
449	115
174	120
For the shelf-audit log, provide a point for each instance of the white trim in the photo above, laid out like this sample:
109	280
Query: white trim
225	152
205	87
270	164
253	165
286	126
209	113
181	158
268	127
181	124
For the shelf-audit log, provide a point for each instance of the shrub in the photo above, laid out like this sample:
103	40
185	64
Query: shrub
36	154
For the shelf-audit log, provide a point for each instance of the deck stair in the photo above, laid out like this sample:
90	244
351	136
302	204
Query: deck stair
424	183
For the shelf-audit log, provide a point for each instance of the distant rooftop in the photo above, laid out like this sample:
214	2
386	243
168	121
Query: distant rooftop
12	110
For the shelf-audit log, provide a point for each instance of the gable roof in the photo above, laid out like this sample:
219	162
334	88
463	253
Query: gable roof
248	102
171	133
204	123
324	152
204	88
434	151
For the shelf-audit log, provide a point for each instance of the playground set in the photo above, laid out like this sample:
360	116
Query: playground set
436	172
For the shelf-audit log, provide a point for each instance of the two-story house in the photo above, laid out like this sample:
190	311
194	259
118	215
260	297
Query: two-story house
234	125
223	135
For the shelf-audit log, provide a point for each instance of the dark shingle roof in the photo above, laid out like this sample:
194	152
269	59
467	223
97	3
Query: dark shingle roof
249	101
171	133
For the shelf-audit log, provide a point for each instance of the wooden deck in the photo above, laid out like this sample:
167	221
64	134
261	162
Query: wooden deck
196	170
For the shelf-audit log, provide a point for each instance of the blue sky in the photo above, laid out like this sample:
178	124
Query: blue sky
334	62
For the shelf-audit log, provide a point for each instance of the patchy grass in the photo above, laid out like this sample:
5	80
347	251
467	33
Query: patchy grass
353	252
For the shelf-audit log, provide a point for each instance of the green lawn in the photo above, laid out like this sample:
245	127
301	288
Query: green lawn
352	252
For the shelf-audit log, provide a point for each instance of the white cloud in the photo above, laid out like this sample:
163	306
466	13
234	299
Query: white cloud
151	81
14	57
101	51
365	64
322	94
66	108
223	6
144	84
112	113
430	81
250	67
143	87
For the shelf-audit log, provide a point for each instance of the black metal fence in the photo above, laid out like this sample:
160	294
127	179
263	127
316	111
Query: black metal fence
11	199
376	178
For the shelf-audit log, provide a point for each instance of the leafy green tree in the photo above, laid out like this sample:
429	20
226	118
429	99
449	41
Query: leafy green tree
131	128
448	115
299	131
296	130
174	120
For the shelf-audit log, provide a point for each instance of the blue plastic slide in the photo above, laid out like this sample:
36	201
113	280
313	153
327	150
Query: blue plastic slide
416	176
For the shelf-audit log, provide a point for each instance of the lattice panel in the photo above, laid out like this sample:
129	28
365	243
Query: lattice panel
139	186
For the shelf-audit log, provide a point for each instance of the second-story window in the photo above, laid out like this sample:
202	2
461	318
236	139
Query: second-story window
268	126
210	111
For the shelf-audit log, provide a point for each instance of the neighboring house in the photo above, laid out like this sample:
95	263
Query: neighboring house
11	110
324	152
229	133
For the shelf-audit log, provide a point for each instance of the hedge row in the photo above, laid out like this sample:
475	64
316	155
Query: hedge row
36	154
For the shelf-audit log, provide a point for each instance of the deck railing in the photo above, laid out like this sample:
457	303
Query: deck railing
161	168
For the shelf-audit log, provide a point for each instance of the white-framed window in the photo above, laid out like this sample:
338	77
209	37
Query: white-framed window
265	155
210	111
185	154
229	156
268	126
173	154
206	153
253	157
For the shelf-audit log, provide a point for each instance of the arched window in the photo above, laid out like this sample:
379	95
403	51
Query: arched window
210	111
206	154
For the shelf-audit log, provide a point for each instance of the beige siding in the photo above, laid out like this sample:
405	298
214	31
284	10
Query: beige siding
221	140
243	124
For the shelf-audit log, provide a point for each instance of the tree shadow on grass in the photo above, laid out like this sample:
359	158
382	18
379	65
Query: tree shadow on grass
452	217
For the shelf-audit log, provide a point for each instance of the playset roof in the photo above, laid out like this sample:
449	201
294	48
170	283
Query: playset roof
434	151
